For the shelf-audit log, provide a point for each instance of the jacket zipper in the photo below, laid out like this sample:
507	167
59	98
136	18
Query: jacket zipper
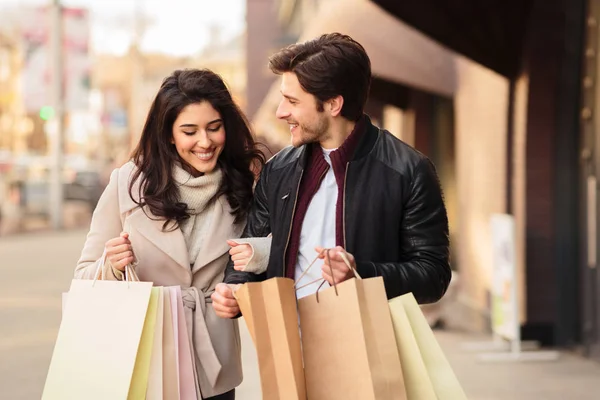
287	242
344	206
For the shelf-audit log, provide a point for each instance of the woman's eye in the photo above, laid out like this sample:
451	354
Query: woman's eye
189	133
215	129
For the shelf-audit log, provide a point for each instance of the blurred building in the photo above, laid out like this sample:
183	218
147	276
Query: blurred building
493	94
226	57
126	86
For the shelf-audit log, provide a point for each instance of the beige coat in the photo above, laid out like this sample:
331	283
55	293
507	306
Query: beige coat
163	259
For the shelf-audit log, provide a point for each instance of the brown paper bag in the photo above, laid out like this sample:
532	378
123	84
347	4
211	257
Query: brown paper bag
269	309
348	343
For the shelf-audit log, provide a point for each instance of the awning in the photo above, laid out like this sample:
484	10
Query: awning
490	32
398	53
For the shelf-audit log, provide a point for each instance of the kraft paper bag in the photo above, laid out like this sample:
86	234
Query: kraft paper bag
98	340
348	343
155	376
425	366
270	311
141	370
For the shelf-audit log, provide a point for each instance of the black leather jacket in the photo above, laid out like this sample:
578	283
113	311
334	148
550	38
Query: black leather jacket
395	221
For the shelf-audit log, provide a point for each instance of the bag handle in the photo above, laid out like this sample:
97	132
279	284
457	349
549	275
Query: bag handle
129	272
322	280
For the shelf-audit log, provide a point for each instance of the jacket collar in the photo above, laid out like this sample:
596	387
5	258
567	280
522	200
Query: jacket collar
358	144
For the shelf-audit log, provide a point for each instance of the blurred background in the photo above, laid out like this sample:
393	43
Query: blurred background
500	94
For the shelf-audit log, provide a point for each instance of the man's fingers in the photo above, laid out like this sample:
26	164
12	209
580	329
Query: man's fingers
232	243
327	277
225	312
225	309
226	315
321	251
222	301
225	291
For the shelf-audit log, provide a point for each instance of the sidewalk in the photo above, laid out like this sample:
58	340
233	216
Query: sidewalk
571	377
36	268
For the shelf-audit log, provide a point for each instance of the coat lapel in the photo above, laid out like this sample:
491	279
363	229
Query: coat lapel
221	228
171	243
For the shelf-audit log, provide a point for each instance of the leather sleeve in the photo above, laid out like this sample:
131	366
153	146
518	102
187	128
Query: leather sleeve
257	225
424	244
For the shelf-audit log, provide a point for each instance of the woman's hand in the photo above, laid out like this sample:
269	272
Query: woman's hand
240	254
119	251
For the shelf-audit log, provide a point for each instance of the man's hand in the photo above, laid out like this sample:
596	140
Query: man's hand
224	304
336	263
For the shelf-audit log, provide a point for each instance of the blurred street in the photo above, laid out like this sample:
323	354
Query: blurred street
36	268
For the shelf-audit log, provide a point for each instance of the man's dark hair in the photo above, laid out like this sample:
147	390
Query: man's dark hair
330	65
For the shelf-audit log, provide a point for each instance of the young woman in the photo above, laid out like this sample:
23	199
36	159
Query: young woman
173	207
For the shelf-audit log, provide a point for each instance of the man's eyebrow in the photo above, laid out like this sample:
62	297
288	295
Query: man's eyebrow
288	96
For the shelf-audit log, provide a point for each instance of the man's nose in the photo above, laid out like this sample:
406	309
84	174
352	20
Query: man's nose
282	111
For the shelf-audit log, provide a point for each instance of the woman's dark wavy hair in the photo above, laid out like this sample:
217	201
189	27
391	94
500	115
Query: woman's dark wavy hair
155	155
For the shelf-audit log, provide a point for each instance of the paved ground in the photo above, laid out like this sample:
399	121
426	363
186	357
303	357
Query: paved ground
36	268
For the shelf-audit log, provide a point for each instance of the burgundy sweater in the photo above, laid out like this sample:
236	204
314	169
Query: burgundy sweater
314	172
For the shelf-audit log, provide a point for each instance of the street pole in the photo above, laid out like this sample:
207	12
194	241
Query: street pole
137	80
55	128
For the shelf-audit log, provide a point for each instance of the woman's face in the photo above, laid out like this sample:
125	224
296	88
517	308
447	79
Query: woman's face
199	137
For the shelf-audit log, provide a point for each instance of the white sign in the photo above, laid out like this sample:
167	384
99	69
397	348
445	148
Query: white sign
505	317
36	78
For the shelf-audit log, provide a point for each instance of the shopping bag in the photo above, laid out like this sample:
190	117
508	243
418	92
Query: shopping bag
169	350
269	309
101	326
141	370
155	375
427	372
187	382
348	343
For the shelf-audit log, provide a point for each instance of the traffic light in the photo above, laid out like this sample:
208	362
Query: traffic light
46	113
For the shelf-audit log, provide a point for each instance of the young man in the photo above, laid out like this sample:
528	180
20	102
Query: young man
344	185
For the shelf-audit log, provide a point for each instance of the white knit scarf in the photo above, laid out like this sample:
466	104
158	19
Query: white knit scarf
197	193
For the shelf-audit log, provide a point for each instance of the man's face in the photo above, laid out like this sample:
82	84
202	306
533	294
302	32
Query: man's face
300	110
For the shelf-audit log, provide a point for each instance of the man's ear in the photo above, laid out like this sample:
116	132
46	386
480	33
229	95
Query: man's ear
335	106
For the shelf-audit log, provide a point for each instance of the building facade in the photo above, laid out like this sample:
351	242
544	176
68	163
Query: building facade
502	98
